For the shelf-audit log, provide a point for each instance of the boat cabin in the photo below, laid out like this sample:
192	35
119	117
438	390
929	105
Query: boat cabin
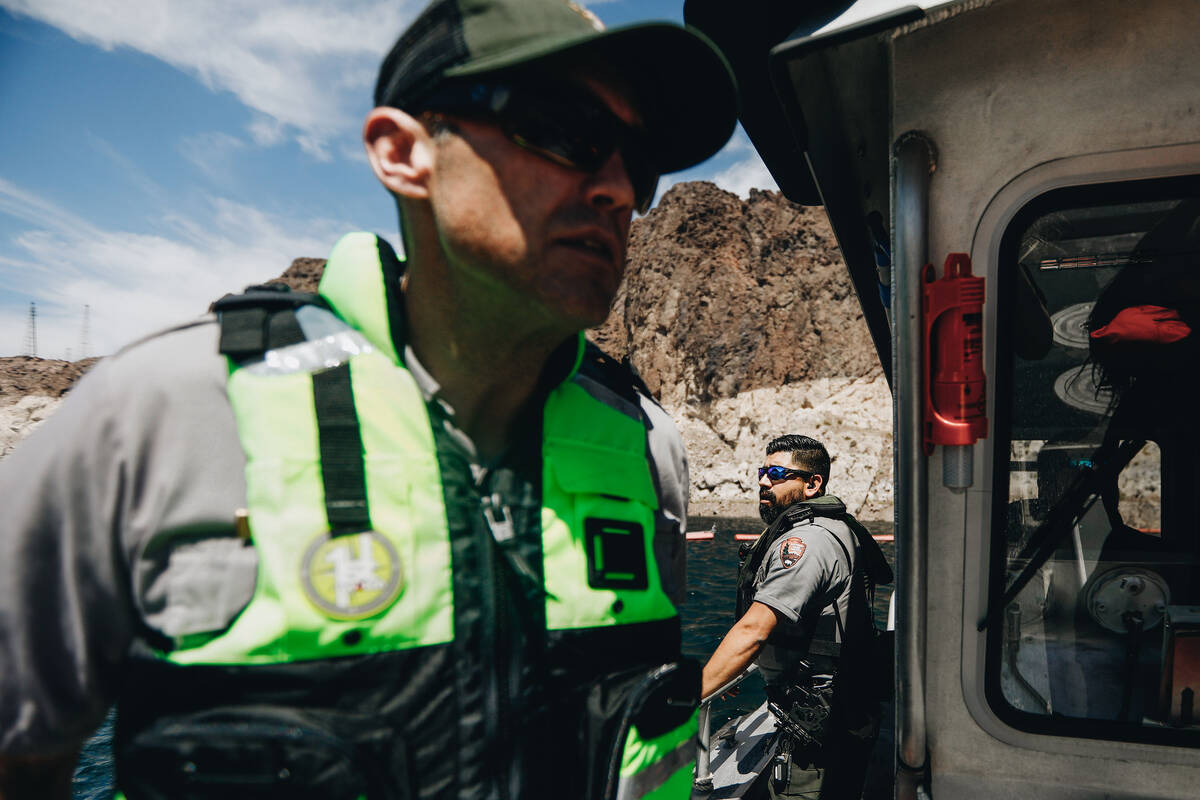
1047	424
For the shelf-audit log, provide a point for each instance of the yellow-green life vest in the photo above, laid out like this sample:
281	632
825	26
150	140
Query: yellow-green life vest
360	564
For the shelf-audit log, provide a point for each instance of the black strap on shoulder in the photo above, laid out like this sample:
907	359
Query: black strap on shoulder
854	571
340	439
875	565
620	376
260	319
792	516
796	514
264	318
393	273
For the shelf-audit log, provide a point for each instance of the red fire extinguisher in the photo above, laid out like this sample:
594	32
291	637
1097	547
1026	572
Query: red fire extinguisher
955	385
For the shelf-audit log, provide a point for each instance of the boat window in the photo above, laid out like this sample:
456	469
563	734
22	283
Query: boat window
1094	619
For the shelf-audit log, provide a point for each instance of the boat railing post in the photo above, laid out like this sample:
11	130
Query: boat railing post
703	775
704	780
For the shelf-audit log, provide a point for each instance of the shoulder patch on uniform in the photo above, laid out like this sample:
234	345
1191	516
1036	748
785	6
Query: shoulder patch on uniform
792	550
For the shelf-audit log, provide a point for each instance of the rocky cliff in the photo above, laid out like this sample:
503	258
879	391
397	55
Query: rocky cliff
724	295
739	316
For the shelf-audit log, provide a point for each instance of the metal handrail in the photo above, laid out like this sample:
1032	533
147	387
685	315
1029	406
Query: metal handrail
914	163
703	773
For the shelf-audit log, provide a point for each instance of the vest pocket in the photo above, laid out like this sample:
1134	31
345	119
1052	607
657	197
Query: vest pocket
598	547
264	751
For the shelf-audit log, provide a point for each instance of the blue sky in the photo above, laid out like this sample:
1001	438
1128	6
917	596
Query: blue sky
158	153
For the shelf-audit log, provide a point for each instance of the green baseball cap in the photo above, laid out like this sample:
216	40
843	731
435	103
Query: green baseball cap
685	89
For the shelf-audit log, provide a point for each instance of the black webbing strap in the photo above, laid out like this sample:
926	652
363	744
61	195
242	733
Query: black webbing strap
244	332
260	319
342	469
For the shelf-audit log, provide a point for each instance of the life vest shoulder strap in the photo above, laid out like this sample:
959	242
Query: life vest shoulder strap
797	514
619	376
263	318
260	319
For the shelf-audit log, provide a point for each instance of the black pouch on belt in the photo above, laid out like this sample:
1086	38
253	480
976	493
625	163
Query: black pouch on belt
263	752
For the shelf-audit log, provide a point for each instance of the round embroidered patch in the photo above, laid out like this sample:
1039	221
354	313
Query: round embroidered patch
792	550
352	576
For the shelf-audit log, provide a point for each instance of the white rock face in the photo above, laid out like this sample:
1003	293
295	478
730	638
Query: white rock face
726	441
19	419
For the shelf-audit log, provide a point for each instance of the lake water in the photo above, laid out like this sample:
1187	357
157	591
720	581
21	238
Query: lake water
707	614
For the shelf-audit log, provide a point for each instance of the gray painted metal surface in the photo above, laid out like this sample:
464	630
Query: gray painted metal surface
738	754
1020	97
1076	93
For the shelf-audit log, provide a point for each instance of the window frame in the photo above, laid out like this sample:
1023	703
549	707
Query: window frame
1069	195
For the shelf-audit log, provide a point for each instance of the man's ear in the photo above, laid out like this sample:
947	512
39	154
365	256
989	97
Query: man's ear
815	484
400	150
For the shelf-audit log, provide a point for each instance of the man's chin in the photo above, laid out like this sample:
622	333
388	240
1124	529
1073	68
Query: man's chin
769	512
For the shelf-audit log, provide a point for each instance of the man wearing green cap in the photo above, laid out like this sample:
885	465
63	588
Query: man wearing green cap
412	537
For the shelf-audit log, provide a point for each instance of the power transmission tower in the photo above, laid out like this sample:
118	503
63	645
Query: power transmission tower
31	332
83	334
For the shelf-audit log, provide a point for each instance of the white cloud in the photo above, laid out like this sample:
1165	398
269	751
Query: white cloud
738	168
266	131
302	64
314	146
212	152
135	283
741	177
735	168
130	170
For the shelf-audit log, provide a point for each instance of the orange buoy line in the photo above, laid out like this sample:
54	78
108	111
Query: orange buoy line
750	537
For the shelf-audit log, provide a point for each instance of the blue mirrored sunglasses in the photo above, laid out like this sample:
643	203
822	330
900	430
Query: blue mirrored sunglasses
777	474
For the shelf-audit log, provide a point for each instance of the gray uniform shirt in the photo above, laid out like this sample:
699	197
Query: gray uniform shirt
118	525
800	577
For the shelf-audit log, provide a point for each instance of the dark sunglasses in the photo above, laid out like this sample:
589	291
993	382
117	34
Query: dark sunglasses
777	474
564	124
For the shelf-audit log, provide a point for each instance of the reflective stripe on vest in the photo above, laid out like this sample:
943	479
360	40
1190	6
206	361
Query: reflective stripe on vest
659	768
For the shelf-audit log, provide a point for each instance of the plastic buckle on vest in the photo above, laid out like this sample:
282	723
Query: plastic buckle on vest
500	523
499	518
